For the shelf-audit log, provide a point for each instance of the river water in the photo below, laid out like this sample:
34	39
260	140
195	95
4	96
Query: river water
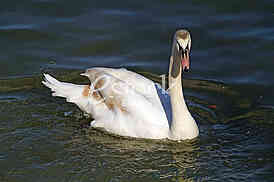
229	91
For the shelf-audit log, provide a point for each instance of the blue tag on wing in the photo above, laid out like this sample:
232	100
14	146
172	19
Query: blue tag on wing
165	101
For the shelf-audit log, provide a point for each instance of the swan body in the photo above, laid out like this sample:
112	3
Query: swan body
128	104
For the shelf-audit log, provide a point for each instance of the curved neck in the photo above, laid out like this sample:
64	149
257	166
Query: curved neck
183	126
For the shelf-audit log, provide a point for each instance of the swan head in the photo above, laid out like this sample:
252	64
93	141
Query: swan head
182	39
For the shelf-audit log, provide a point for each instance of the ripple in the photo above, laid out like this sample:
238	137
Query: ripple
18	27
119	12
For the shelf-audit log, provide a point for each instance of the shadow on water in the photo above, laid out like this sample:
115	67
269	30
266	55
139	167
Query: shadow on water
43	137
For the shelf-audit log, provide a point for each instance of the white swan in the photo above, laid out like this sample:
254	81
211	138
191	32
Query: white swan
128	104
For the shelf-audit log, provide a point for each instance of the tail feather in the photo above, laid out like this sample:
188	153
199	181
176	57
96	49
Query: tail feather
61	89
77	94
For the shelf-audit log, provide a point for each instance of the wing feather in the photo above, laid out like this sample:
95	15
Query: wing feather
126	92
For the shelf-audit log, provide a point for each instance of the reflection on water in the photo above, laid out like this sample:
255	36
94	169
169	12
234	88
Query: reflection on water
131	158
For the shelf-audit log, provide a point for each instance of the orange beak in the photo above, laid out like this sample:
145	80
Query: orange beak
185	60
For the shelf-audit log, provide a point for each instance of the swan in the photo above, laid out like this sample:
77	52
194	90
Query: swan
128	104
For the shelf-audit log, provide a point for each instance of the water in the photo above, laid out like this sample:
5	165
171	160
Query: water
230	89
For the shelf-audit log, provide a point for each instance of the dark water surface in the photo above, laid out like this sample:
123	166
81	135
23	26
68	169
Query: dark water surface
230	89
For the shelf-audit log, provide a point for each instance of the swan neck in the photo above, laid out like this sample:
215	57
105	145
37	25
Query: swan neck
183	126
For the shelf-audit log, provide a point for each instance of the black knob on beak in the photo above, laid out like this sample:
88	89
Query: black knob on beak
186	69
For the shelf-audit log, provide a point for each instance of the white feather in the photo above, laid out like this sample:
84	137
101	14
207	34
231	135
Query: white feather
143	117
